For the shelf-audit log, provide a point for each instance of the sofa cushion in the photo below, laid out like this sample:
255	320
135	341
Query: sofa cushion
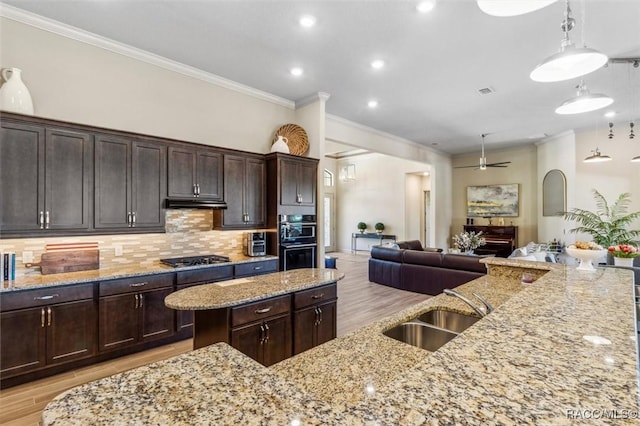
386	253
463	262
385	272
425	258
410	245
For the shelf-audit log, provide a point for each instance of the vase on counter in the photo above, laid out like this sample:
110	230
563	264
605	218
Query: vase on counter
623	261
14	95
280	145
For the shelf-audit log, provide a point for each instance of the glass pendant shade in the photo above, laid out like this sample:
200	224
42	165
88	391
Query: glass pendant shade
584	102
597	157
513	7
570	62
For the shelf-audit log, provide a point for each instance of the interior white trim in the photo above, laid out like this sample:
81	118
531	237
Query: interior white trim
83	36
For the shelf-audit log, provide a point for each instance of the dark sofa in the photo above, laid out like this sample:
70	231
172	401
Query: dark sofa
428	271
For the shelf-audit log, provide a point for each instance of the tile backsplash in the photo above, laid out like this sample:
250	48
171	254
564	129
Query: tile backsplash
188	233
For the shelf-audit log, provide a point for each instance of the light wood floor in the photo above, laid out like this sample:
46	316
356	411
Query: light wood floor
359	303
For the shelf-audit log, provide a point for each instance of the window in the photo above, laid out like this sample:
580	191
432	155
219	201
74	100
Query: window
328	178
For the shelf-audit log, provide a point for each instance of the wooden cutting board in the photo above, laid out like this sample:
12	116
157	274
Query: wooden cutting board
69	261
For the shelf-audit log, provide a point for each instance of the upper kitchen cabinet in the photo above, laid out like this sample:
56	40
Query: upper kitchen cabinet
45	179
244	190
195	173
291	183
130	184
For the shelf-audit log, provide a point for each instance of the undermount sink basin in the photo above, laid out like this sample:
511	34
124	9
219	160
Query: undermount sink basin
432	329
450	320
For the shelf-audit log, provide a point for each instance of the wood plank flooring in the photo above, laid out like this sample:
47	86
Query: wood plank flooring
359	303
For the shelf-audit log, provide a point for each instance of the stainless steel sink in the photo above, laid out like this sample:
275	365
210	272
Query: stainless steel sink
450	320
421	335
432	329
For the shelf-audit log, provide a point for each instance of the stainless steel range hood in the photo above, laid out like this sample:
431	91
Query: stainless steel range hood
194	203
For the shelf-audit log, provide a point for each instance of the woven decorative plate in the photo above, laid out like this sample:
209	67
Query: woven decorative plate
296	138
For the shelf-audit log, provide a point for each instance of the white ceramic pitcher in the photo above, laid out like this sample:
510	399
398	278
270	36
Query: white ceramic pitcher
14	95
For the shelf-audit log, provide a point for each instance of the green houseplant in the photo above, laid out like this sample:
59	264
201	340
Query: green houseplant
362	226
608	225
379	227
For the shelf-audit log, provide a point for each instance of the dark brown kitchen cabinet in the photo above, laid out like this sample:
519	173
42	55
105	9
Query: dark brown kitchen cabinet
291	185
244	193
130	182
46	172
314	317
132	311
37	337
195	173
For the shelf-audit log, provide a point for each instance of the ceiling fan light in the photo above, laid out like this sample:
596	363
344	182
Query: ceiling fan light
511	8
597	157
483	163
570	62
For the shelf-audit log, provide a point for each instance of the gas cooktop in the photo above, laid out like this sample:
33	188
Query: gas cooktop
207	259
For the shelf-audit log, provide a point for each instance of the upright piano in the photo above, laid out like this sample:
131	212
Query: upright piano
501	240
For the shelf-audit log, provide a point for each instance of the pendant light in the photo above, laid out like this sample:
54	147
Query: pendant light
571	61
584	101
483	159
596	157
513	7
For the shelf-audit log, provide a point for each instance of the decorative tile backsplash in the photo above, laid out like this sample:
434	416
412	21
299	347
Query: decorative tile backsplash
188	232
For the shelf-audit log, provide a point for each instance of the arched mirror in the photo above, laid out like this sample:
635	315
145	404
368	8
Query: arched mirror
554	193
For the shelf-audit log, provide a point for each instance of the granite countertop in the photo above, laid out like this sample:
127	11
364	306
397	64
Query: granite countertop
217	295
526	363
35	279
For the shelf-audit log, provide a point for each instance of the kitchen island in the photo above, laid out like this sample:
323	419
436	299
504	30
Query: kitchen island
532	361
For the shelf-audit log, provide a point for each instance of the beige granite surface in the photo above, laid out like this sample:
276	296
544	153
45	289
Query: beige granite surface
526	363
217	295
35	279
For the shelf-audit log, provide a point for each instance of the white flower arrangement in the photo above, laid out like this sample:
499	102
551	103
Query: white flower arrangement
466	241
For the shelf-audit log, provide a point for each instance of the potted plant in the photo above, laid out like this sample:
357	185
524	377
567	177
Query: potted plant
379	227
467	242
608	224
362	226
623	254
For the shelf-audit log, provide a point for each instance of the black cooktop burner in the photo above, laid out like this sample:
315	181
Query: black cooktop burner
207	259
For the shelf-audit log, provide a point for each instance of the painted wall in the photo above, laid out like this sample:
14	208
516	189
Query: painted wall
522	170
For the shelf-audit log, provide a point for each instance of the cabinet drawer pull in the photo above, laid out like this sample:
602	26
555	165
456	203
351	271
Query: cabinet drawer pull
318	296
42	318
139	284
266	333
48	297
263	310
257	268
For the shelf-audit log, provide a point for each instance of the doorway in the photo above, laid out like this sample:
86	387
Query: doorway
329	222
427	218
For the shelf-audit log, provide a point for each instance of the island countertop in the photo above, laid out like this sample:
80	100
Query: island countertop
249	289
528	362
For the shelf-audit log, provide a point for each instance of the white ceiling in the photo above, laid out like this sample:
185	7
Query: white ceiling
435	63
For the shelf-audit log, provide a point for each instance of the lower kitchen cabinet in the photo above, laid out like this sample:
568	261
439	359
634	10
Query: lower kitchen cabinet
268	341
132	311
314	317
45	336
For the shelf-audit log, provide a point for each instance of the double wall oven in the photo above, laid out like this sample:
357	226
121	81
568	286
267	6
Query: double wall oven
297	241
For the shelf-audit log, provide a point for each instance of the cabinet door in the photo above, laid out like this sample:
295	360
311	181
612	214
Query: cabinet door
209	175
234	187
148	184
182	172
254	192
303	329
22	338
21	177
288	183
326	328
112	189
117	321
248	340
68	171
277	346
307	184
71	331
156	321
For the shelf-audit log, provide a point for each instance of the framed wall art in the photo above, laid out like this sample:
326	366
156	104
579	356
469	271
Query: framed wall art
493	200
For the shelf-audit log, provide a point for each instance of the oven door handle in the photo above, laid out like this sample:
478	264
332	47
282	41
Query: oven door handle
294	246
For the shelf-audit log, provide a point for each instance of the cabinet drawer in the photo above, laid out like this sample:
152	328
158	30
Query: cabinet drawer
259	310
256	268
205	275
135	284
314	296
45	296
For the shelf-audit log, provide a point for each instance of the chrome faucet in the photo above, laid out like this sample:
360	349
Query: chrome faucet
481	310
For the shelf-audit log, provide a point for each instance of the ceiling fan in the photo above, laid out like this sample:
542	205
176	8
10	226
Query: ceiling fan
483	160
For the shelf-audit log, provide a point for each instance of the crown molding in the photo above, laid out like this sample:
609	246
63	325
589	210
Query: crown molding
87	37
320	96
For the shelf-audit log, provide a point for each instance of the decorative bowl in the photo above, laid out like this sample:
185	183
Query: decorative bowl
586	257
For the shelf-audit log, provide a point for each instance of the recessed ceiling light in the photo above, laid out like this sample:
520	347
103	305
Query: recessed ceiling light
610	114
307	21
296	71
426	6
372	103
377	64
